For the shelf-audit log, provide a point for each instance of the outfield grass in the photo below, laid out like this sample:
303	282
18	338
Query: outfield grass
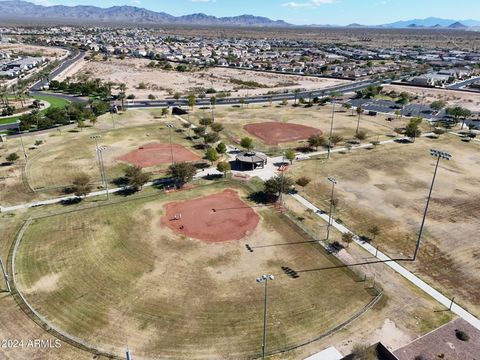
235	118
387	187
55	166
112	273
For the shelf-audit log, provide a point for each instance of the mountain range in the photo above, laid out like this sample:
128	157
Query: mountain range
23	10
20	10
433	22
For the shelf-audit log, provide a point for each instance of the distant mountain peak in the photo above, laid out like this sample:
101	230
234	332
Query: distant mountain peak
457	25
24	10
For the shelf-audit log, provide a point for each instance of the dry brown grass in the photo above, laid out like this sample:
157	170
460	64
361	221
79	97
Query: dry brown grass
388	186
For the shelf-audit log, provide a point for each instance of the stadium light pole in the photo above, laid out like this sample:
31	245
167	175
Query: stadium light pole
5	276
113	119
102	168
280	198
96	137
264	279
334	182
21	140
331	129
170	127
439	155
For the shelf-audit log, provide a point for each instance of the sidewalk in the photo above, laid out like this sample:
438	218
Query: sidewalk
422	285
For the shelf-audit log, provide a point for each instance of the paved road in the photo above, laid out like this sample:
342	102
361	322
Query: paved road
390	107
463	84
351	87
73	58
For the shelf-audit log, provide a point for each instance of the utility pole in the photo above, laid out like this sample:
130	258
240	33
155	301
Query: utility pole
334	182
264	279
439	155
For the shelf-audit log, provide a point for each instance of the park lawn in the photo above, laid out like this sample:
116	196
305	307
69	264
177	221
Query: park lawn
54	103
9	120
234	118
387	187
179	297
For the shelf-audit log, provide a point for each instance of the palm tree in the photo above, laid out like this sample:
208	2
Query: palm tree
213	101
121	96
297	91
4	96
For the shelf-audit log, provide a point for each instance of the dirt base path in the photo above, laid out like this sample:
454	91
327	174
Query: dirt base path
158	154
214	218
273	133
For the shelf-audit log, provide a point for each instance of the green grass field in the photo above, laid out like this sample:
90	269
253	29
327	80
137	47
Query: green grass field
54	102
113	275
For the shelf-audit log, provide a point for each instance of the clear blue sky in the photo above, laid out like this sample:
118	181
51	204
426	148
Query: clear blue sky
339	12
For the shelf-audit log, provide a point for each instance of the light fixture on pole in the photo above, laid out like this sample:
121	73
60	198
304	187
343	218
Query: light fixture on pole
96	137
264	279
334	182
170	127
102	168
21	140
331	128
439	155
280	198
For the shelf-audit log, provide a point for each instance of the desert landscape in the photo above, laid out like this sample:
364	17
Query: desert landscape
142	80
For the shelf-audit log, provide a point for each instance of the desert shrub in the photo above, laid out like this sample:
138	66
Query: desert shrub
303	181
361	135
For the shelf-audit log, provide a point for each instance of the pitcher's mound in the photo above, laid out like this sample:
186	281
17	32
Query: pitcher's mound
273	133
157	154
214	218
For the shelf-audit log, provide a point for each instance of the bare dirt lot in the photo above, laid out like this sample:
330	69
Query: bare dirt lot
163	83
149	155
470	101
272	133
33	50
